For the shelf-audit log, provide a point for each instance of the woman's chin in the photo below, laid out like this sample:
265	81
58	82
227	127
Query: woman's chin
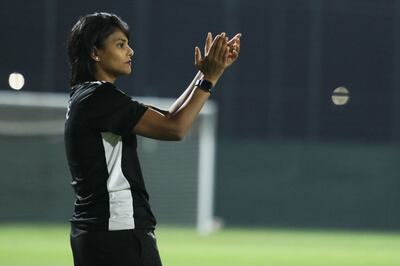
128	71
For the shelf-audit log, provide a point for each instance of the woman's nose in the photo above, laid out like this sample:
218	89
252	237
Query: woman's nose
131	52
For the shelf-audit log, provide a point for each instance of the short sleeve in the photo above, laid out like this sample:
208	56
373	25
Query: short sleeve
110	110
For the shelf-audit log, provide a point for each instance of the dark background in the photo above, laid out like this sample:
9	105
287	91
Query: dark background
286	155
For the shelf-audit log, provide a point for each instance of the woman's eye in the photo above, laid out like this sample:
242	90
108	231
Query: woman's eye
120	45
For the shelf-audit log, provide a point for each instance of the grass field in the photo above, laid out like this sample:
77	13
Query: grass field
48	245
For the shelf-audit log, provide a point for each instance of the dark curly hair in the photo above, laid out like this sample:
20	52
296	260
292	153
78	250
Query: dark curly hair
88	33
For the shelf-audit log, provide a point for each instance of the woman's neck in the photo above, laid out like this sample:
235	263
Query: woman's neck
101	75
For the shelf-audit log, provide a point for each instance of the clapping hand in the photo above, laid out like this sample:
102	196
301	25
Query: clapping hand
234	49
219	54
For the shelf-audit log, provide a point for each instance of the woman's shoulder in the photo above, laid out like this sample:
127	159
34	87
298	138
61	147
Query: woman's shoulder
86	91
93	85
89	88
100	92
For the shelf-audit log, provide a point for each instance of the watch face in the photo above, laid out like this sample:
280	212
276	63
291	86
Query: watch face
204	84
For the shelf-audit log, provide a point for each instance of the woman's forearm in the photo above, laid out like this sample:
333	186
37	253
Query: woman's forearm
187	113
184	96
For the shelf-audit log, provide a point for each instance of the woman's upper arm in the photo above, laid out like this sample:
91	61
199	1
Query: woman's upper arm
164	112
157	125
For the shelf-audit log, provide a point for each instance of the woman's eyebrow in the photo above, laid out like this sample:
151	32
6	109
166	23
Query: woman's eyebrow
121	39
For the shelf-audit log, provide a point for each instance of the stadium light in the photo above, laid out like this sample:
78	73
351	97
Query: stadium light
16	81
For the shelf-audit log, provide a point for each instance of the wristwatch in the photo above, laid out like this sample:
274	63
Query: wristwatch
204	84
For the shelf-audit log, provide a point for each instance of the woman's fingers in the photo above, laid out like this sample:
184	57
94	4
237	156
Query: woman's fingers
234	55
234	46
226	54
235	38
235	41
218	46
208	44
219	53
238	44
219	50
211	52
223	46
224	49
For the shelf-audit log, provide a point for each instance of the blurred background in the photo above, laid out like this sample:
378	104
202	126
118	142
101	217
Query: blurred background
286	155
285	149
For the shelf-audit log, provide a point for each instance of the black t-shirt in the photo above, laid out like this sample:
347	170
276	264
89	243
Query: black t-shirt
103	161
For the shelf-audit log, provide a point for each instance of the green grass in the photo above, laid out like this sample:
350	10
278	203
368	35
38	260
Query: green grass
48	245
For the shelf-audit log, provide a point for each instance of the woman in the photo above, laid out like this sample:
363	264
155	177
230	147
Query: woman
112	223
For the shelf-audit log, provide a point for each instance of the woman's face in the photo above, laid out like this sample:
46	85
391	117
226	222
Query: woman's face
114	58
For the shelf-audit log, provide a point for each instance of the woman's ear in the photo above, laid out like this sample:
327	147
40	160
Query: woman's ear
94	55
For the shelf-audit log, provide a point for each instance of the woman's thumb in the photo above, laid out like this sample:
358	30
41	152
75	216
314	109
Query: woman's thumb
197	56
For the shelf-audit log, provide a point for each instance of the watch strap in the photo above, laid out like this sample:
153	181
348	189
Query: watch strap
204	84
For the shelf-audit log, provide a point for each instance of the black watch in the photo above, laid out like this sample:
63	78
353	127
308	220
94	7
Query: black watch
204	84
